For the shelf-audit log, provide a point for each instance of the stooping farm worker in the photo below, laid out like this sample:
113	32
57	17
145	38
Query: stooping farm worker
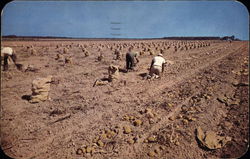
130	59
157	65
6	54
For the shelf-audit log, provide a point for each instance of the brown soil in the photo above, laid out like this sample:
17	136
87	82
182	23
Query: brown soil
130	117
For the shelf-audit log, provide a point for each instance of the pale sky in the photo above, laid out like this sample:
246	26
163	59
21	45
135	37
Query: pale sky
139	19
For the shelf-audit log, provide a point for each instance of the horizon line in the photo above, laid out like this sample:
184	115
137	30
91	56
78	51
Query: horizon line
165	37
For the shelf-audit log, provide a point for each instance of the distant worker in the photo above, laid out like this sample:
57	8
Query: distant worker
7	53
130	59
157	65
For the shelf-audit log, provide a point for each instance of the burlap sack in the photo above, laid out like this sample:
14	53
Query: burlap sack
40	89
113	72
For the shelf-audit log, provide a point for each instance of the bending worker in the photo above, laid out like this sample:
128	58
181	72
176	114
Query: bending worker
157	65
130	59
6	53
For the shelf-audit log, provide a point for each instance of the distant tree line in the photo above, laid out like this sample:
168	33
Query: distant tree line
232	38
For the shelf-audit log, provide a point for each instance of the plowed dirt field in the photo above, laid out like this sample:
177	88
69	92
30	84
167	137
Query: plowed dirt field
205	84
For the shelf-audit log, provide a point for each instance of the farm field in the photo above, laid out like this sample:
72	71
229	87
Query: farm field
205	85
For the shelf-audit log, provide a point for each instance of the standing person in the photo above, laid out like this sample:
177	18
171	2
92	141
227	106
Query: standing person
6	53
157	65
130	59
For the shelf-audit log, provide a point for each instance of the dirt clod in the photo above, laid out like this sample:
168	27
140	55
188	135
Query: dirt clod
152	154
131	140
89	149
100	143
127	129
137	122
210	140
151	139
79	151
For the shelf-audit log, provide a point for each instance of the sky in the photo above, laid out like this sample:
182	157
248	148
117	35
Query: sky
125	19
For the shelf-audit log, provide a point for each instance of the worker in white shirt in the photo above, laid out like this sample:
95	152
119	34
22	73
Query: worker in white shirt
157	65
6	53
